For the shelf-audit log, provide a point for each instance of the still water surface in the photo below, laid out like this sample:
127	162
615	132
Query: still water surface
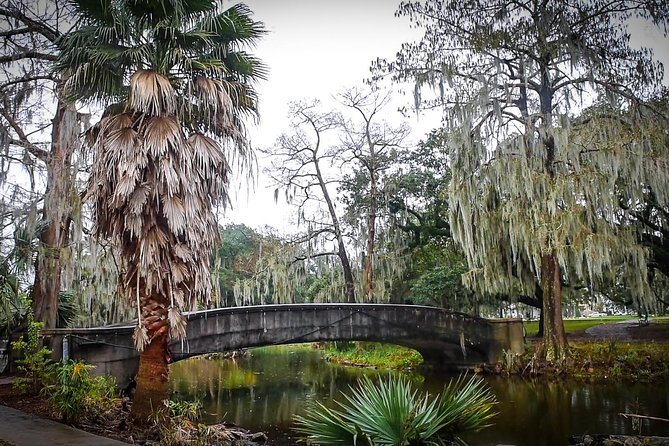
262	391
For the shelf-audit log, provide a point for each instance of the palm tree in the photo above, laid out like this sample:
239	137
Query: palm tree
177	87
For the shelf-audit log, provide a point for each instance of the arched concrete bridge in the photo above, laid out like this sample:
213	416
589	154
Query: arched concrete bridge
443	337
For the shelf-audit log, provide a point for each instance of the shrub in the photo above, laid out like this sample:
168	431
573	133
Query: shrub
189	410
391	413
76	393
181	427
35	363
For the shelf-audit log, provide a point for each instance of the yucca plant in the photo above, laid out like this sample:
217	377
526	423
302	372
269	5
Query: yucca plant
177	86
392	413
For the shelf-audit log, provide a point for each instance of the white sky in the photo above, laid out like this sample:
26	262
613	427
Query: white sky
315	49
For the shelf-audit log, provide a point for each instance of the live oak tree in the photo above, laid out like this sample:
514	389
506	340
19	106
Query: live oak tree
418	206
258	267
235	260
643	207
177	86
532	201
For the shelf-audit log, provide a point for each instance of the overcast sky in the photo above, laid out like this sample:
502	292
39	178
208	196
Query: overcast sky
315	49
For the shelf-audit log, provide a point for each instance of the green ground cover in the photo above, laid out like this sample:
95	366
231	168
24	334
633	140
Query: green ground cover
372	354
644	361
576	325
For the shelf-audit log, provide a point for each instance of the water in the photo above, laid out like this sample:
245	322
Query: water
263	391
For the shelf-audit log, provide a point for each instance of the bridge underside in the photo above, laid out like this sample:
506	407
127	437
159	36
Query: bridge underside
443	338
447	348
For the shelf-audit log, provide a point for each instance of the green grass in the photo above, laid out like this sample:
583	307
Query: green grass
645	361
577	325
373	354
6	443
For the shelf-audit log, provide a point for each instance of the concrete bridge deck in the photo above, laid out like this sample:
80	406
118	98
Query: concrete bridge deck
444	338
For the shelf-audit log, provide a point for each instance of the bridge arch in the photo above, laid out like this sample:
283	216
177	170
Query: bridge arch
444	338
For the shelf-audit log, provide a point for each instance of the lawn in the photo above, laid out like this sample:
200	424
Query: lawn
576	325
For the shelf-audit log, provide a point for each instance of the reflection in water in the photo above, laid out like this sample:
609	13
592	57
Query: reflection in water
264	390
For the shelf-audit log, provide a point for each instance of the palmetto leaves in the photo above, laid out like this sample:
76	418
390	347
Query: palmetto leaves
177	103
391	413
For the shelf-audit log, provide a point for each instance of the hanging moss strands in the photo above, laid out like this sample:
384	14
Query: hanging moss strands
554	141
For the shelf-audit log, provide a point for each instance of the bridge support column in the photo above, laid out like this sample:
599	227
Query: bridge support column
507	335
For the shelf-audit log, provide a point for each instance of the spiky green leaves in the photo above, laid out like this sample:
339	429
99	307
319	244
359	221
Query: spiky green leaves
392	413
120	43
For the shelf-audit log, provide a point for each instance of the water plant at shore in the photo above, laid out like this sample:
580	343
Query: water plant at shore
391	412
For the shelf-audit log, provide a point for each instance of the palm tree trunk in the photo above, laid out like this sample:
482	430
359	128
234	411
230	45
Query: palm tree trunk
152	377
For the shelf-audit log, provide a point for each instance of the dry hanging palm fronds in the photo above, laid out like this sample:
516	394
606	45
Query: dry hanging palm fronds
162	134
152	93
140	335
177	323
175	318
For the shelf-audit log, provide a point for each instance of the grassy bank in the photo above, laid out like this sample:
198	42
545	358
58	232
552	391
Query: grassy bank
645	357
576	325
639	361
372	354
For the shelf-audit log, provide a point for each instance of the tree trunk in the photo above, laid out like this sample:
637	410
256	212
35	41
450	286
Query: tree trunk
371	235
554	348
153	373
57	214
349	284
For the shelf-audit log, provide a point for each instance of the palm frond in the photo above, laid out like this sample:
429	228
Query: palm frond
246	67
234	26
94	84
152	93
98	10
391	412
